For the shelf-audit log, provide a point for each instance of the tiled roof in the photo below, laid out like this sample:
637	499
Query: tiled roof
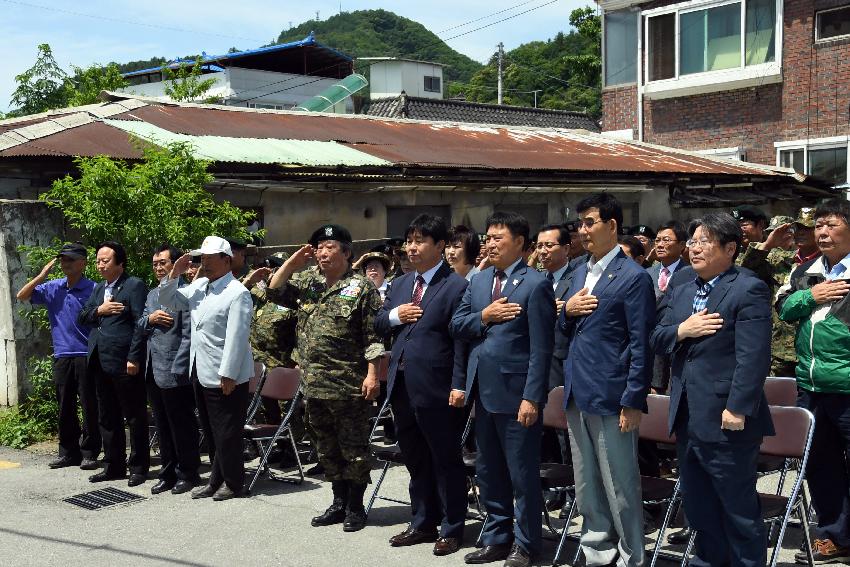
417	108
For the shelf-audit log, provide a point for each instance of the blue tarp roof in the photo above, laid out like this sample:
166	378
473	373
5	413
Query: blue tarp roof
210	61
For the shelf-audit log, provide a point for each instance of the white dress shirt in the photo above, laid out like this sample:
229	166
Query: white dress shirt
508	271
558	274
595	269
221	314
427	276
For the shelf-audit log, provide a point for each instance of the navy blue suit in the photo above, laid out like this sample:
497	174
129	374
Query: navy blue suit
709	374
608	368
429	431
508	363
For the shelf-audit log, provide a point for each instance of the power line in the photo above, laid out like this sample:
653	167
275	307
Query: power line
365	66
122	21
463	25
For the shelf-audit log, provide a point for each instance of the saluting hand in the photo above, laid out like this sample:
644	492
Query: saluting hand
301	258
256	276
581	304
500	311
180	266
409	313
700	324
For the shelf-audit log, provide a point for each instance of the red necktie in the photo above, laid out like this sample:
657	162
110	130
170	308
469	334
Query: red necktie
417	291
497	285
663	278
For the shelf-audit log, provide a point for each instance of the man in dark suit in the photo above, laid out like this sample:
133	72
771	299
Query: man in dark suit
115	357
717	330
169	336
607	319
416	313
508	316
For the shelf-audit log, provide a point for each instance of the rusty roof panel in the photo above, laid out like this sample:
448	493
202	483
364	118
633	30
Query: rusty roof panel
92	139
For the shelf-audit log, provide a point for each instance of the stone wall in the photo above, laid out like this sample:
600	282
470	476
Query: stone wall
21	223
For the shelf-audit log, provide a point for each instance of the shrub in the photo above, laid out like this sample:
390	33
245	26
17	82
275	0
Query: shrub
36	418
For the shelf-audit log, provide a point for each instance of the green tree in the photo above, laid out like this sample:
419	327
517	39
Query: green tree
161	199
42	86
186	85
86	84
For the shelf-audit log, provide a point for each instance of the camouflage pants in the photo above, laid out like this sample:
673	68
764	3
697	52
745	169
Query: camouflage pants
779	367
342	437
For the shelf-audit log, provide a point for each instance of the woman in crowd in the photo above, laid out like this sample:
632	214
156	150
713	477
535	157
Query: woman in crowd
462	251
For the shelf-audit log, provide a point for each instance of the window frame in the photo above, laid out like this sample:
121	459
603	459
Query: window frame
818	13
432	78
710	81
815	144
638	58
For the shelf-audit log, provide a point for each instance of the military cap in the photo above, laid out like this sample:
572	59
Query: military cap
73	250
748	213
237	244
806	217
365	258
572	226
778	220
276	260
383	249
642	230
330	232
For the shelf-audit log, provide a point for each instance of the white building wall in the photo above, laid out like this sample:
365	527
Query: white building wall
265	89
389	78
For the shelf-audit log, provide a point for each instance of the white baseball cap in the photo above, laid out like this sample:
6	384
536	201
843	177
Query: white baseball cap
213	245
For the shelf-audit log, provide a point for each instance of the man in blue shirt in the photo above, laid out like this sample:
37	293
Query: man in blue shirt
64	297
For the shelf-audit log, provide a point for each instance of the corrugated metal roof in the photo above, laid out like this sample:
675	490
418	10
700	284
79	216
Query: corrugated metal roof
254	150
320	140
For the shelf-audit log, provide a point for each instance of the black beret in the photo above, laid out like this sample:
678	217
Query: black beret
750	213
642	230
330	232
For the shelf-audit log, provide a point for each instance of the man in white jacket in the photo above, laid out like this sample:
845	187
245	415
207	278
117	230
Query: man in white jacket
220	358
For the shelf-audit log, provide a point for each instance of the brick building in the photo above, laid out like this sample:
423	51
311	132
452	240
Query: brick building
766	81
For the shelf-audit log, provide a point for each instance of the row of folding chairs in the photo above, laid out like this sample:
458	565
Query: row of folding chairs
779	454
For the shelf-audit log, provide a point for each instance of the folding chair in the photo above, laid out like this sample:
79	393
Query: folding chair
386	454
281	384
255	385
781	391
793	440
557	476
385	411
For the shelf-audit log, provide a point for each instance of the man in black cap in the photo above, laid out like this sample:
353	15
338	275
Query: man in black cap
753	221
754	248
338	352
646	236
238	267
64	297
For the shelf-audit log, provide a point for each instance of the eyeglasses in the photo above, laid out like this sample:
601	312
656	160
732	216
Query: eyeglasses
702	243
665	240
588	223
547	245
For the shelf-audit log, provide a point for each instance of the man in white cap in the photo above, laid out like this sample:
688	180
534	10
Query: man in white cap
220	358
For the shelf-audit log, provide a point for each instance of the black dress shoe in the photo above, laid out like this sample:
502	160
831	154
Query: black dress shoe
182	486
224	492
488	554
106	475
446	545
411	536
203	492
161	486
63	462
355	520
315	470
680	537
335	514
136	479
518	557
88	464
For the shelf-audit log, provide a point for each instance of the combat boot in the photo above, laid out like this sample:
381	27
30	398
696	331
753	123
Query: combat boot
355	513
335	514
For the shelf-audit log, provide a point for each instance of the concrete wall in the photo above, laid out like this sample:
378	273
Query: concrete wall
21	223
389	78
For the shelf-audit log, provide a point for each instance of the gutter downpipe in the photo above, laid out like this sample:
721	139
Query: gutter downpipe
640	61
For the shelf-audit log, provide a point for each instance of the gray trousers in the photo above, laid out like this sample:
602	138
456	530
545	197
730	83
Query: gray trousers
608	492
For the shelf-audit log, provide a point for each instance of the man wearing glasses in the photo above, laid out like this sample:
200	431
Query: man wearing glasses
716	328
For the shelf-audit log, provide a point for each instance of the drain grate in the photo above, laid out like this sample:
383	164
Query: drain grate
97	499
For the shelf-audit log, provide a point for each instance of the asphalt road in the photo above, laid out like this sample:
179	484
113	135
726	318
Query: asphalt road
272	527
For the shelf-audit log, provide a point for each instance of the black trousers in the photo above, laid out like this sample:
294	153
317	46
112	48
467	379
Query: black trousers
174	413
429	439
72	381
203	417
122	397
224	416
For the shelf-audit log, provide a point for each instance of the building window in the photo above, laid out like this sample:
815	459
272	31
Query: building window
824	158
686	40
432	85
266	106
620	47
832	24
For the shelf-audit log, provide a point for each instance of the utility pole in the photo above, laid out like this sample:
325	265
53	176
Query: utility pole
535	96
317	15
501	54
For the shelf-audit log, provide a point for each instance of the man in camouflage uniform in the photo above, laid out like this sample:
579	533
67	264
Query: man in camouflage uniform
783	351
756	248
336	348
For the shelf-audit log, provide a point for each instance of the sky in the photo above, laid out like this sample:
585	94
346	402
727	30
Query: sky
97	31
